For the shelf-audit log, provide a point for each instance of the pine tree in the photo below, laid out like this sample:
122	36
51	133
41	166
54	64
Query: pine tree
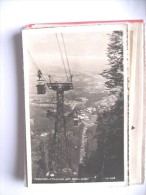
108	159
113	147
114	73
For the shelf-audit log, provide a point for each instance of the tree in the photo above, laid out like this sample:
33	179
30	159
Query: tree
114	74
108	159
114	117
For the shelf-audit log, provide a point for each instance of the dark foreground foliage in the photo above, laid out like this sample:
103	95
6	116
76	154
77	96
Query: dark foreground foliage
107	162
108	159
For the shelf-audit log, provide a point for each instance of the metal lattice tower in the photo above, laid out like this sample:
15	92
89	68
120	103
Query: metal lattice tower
60	152
59	158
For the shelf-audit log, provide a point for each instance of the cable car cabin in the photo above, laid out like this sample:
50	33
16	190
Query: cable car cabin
50	113
41	88
76	122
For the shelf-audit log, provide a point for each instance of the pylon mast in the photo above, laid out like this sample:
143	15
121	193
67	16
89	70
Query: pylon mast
60	152
59	158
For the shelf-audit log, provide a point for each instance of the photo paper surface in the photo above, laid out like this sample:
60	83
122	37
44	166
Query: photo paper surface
76	103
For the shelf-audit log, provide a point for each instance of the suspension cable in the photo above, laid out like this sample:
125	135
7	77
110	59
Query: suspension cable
34	63
32	60
66	54
37	68
61	56
71	93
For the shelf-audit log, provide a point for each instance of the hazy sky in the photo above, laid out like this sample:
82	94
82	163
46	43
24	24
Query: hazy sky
85	47
86	51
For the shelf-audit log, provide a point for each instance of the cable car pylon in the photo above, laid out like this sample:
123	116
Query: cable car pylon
60	158
60	155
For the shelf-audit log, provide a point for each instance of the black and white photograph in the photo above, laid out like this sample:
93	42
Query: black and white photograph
73	98
76	103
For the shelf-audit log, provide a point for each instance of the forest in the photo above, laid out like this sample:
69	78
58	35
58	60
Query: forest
107	161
